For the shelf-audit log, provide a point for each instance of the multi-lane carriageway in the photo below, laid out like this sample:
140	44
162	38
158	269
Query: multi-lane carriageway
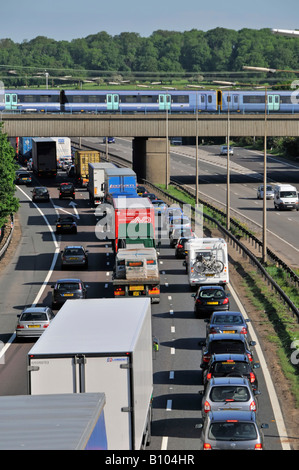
33	266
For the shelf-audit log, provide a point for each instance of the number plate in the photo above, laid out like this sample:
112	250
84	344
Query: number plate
33	326
68	295
136	288
212	303
228	331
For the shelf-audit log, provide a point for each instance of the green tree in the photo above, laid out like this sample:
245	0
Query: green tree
9	204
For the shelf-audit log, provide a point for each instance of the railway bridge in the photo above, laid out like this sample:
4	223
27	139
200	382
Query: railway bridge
150	131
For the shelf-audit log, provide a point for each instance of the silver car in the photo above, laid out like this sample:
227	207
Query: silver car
33	321
228	322
232	430
228	393
269	192
223	150
74	255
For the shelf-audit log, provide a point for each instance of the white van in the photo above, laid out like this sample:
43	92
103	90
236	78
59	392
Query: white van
285	197
207	261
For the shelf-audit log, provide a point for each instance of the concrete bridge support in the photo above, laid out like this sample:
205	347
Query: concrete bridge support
149	159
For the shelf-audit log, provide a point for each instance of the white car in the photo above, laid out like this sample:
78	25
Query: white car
223	150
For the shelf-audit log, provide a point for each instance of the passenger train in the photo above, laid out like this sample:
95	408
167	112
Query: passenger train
145	101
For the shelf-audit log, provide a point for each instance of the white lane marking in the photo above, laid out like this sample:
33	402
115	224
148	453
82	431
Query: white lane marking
169	405
171	375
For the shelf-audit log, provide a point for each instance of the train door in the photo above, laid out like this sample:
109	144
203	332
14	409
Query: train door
235	103
273	102
203	102
112	100
164	102
11	101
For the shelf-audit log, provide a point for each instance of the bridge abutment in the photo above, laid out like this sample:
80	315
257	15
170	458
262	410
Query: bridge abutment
149	159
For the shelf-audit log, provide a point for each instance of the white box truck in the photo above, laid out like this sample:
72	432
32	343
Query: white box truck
285	197
105	346
96	178
207	261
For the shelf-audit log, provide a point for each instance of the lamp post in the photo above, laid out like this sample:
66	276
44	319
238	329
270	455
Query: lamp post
196	159
228	168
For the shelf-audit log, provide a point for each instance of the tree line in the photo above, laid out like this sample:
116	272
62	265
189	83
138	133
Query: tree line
170	53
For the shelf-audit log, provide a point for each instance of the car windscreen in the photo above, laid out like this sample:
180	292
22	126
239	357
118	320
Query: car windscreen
66	186
227	346
67	286
236	430
41	190
73	252
227	319
230	367
288	194
212	293
229	393
33	316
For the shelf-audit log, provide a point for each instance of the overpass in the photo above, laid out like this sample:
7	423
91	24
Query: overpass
149	131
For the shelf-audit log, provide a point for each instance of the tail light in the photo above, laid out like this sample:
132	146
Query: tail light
249	357
207	407
207	446
179	245
20	327
243	331
212	330
225	301
252	406
198	301
258	447
154	290
252	377
206	358
45	326
209	375
119	291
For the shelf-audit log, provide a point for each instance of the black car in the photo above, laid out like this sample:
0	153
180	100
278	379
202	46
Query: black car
225	343
40	193
180	249
66	190
231	365
66	289
66	223
209	299
74	256
23	177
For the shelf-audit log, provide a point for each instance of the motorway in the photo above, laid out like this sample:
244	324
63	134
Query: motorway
34	266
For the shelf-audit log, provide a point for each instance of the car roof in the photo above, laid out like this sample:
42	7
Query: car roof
35	309
71	279
211	287
73	246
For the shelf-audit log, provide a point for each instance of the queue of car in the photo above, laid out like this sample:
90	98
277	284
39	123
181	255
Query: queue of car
229	396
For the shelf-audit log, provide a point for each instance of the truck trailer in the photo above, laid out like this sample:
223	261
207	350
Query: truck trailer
105	346
82	158
120	182
136	273
96	179
133	221
44	162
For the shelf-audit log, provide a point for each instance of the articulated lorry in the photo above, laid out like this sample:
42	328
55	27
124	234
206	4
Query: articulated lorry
82	158
63	151
44	162
25	149
136	273
207	261
101	346
96	179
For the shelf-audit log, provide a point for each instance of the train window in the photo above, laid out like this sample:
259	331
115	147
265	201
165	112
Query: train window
253	99
209	98
29	99
95	98
286	99
180	99
147	99
203	98
236	99
49	98
78	99
129	99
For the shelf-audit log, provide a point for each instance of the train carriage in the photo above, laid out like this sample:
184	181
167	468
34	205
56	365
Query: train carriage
30	100
148	101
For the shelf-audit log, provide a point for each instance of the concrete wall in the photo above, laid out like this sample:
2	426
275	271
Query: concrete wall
149	159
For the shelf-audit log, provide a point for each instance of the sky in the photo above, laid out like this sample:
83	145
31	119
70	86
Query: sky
70	19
